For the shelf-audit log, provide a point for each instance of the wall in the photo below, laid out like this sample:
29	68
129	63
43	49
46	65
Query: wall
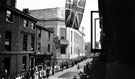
76	42
16	53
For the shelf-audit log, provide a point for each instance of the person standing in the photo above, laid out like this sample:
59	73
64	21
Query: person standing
32	73
53	70
78	67
47	72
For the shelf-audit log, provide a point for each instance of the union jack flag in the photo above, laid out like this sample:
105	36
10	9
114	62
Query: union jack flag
74	13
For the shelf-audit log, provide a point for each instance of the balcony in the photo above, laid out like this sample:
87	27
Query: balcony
64	42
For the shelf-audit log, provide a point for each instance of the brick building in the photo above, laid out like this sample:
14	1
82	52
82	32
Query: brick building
17	36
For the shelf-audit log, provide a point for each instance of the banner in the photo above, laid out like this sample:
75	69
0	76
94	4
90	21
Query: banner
74	10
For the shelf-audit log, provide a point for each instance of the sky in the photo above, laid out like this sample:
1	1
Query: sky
42	4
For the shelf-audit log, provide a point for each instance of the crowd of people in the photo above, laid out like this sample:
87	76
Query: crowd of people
45	72
91	69
39	72
35	73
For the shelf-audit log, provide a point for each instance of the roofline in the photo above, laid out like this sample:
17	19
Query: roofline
55	19
47	8
46	29
19	12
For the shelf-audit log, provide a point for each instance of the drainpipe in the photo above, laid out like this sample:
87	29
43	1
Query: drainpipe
18	42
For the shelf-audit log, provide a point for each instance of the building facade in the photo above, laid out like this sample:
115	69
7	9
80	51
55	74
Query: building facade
44	46
17	35
76	43
54	18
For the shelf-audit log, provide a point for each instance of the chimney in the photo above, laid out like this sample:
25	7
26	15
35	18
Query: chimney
26	10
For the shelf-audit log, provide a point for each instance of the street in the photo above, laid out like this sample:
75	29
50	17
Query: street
70	72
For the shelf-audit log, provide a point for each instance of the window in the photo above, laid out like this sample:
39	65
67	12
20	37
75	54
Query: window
63	50
8	2
71	35
39	46
9	16
32	43
25	42
48	47
39	33
63	33
49	35
7	64
25	23
32	26
8	41
24	58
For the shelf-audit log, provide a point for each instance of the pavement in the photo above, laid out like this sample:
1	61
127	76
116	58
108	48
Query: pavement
70	72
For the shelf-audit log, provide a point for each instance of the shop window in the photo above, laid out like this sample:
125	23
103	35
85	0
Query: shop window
9	16
25	42
8	41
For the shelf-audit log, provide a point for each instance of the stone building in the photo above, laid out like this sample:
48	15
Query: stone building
17	35
54	18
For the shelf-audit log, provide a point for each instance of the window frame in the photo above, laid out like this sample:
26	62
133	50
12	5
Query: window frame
49	35
33	26
25	23
48	47
63	36
25	42
63	49
9	16
24	63
32	43
9	40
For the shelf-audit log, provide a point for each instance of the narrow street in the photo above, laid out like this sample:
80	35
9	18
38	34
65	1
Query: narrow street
70	72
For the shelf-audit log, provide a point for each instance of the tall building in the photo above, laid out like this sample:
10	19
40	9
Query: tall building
17	36
54	18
